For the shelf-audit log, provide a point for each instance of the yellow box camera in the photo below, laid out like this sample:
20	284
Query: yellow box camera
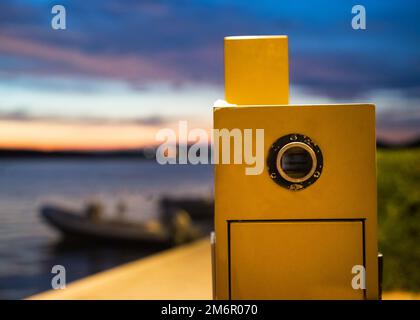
298	229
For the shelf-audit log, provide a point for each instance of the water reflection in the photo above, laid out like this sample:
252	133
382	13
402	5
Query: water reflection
29	248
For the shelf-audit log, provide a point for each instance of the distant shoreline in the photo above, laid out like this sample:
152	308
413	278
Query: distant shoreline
36	154
141	153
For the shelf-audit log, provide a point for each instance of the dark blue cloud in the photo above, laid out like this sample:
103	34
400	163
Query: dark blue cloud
185	37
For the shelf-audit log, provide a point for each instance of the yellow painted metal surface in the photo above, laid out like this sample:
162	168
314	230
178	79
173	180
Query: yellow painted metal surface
256	70
313	257
346	190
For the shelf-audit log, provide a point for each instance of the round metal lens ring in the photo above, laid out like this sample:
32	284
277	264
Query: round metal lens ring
301	146
277	151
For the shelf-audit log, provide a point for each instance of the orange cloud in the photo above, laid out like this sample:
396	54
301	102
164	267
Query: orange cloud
51	135
44	135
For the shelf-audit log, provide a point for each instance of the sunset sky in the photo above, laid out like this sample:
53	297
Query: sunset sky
124	69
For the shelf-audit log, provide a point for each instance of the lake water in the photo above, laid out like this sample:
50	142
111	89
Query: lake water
29	248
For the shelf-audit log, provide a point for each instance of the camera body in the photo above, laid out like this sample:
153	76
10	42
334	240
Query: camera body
298	229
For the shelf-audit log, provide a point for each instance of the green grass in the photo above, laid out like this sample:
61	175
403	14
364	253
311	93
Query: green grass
399	217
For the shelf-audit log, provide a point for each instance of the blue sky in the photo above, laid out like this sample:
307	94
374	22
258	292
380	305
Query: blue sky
139	60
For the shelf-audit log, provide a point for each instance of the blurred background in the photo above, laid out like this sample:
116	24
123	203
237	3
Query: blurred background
79	109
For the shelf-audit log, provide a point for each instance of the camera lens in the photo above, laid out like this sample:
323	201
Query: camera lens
296	162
